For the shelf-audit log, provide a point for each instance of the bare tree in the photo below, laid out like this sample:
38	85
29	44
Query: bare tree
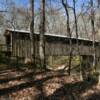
42	32
65	5
32	31
77	35
76	27
93	33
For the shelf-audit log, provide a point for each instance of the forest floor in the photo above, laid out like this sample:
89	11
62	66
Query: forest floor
25	84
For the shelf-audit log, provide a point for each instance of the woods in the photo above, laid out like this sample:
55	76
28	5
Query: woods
49	47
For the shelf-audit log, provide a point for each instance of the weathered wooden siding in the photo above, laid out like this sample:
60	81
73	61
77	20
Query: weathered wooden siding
62	49
21	45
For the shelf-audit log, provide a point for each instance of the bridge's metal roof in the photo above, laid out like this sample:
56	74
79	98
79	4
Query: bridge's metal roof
48	34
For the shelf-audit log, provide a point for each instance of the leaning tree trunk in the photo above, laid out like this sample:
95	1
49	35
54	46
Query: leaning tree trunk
93	34
65	5
42	33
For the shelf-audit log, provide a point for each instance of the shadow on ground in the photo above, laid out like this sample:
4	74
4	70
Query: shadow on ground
68	91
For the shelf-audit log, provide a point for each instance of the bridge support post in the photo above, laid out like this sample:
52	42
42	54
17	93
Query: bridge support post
81	78
86	66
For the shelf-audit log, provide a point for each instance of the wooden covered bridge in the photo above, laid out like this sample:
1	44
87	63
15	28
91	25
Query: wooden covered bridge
55	45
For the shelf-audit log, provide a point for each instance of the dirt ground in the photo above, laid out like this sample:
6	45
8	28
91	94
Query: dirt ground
52	85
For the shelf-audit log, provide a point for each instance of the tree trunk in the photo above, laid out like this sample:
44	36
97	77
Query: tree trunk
65	5
93	34
77	35
42	32
32	32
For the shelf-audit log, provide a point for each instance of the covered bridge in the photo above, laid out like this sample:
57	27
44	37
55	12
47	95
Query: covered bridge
55	45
